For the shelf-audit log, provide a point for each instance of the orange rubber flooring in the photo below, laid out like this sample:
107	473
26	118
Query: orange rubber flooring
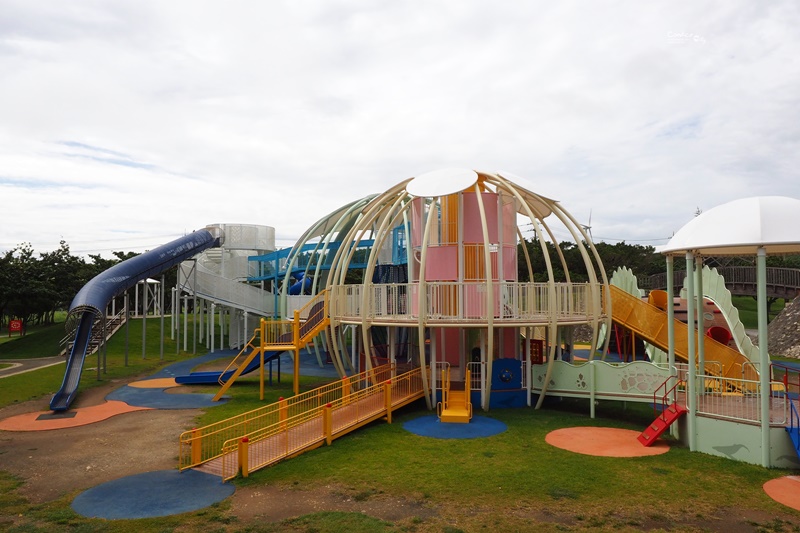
603	442
45	420
785	490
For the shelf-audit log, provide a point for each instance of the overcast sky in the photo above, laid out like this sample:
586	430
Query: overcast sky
124	125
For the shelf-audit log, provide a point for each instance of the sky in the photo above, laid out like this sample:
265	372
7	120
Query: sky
124	125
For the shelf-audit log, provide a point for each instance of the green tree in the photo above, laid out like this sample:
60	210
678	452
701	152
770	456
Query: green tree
641	259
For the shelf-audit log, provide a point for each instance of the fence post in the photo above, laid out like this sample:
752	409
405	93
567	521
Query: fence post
346	389
327	424
296	336
283	412
244	445
387	399
197	447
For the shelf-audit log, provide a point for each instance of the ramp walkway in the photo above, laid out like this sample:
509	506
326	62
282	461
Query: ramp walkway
650	323
289	427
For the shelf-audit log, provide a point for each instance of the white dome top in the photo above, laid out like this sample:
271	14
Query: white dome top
741	227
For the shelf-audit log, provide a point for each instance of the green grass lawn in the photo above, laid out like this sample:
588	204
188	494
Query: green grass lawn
748	310
513	481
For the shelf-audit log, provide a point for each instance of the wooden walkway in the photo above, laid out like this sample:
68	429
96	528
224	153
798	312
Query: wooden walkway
740	280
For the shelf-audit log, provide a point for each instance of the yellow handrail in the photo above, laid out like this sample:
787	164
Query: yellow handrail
308	429
200	445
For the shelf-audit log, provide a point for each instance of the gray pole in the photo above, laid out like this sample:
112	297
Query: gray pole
211	326
764	369
177	311
185	323
127	326
701	321
173	307
161	297
194	309
104	340
671	314
144	317
691	393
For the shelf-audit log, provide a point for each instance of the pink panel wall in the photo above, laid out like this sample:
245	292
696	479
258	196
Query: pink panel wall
442	263
509	342
510	263
509	223
472	217
449	341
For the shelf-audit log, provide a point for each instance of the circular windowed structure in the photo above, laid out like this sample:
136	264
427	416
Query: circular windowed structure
452	270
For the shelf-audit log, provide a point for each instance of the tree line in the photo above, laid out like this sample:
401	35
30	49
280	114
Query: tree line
33	287
644	261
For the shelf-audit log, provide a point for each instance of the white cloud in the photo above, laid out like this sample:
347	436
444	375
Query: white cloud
137	121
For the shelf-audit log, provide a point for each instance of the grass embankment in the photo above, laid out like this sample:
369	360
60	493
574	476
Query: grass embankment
39	341
748	310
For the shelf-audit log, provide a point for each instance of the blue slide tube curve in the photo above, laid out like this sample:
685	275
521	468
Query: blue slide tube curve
92	299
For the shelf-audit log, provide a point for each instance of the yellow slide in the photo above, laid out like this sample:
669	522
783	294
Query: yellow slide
650	323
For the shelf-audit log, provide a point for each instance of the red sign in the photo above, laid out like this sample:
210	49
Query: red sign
15	326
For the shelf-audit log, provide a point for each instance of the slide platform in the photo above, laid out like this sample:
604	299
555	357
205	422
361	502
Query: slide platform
93	298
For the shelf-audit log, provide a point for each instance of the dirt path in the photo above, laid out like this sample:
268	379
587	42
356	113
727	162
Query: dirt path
64	462
57	462
20	366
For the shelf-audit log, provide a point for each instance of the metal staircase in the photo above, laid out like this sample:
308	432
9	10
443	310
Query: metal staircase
112	325
277	336
456	405
671	410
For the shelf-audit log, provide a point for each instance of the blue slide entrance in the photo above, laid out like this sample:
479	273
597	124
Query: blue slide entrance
91	301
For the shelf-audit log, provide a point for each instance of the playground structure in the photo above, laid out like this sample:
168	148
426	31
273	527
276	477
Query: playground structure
427	275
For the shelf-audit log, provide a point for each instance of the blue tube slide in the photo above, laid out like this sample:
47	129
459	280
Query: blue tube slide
92	299
214	378
300	285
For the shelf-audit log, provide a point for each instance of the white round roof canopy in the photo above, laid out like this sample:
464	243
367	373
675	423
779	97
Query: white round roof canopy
741	227
442	182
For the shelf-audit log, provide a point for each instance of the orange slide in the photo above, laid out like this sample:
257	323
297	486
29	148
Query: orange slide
650	323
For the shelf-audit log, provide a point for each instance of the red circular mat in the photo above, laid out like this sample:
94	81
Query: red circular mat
604	442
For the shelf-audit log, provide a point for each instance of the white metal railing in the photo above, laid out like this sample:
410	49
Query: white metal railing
468	302
713	367
750	370
477	377
740	399
205	283
525	374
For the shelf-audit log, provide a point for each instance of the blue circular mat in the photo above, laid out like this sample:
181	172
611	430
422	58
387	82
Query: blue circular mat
479	426
152	494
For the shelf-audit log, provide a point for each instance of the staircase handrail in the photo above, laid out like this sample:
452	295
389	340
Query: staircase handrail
122	316
667	393
786	370
468	391
315	318
254	343
794	424
441	406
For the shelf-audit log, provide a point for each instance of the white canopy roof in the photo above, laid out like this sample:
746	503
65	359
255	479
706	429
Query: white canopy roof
741	227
